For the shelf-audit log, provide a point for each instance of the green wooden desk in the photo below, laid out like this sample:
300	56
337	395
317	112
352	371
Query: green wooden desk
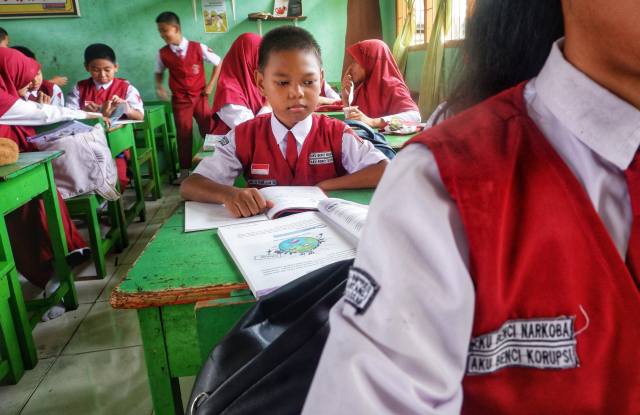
175	271
397	141
21	182
200	155
338	115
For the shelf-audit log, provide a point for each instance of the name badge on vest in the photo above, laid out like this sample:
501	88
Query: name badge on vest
538	343
260	169
196	69
321	158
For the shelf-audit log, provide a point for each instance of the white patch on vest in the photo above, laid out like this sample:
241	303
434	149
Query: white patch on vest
539	343
261	169
360	290
262	182
196	69
321	158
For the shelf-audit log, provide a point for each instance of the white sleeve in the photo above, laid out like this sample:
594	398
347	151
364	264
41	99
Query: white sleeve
58	97
31	113
73	99
222	166
329	92
133	99
406	353
234	115
358	153
159	64
413	116
209	56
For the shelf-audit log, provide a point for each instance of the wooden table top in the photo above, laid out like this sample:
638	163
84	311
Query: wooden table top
180	268
26	162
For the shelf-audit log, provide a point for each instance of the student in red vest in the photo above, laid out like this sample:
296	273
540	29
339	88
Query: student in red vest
291	146
103	92
189	89
509	282
27	225
41	90
381	92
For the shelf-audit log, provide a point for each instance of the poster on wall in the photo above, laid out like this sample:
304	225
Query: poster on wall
29	9
215	16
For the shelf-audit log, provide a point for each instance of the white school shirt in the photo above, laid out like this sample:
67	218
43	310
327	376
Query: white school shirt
329	92
412	116
224	167
30	113
207	54
406	353
234	114
57	99
132	97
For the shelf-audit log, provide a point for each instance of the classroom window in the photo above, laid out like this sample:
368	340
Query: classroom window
425	15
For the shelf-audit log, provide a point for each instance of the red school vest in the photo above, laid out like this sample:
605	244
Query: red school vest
186	76
46	87
89	93
264	164
538	254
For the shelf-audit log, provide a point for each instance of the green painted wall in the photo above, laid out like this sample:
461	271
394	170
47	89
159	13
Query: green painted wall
129	27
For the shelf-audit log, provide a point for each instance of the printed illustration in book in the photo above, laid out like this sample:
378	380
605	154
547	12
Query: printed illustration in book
214	13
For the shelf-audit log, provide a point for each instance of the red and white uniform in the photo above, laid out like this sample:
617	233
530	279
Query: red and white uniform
326	147
328	92
187	81
88	90
50	89
558	245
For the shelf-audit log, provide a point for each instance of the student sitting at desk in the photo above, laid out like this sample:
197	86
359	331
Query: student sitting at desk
27	225
291	146
41	90
381	93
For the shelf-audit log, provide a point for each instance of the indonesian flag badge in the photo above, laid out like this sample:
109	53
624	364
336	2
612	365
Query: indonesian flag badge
260	169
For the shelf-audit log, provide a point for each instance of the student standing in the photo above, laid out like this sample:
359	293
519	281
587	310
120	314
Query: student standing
290	147
381	93
189	89
510	280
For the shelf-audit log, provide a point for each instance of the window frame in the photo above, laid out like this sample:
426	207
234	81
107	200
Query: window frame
401	16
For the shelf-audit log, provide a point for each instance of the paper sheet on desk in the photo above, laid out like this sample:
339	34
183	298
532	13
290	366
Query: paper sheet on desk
200	216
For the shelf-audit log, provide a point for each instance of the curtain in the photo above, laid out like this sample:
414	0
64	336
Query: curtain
432	86
363	22
401	46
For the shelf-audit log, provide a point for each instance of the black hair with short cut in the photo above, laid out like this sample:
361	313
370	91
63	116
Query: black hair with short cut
168	18
284	38
99	51
3	34
26	52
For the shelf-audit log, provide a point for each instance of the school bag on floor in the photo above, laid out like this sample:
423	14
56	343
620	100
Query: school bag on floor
87	165
265	363
378	140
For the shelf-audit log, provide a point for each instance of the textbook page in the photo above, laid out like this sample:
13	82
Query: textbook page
70	128
348	215
202	216
273	253
292	198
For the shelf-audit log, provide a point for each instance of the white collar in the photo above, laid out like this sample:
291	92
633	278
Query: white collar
103	86
34	93
605	123
184	43
300	130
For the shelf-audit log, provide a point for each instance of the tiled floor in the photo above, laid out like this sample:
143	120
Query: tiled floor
91	359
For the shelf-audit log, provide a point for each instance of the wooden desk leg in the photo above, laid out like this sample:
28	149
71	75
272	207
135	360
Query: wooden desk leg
58	240
165	390
16	304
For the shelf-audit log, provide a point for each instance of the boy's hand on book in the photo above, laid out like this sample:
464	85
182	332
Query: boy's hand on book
246	202
163	93
43	98
91	107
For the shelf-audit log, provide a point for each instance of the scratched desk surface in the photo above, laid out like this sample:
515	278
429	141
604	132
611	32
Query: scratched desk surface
180	268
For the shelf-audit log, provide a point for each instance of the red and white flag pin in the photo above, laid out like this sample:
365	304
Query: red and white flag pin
262	169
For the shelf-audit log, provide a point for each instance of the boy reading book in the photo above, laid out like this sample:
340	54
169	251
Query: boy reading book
291	146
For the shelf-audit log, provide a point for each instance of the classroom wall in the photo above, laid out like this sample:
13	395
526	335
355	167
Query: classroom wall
129	28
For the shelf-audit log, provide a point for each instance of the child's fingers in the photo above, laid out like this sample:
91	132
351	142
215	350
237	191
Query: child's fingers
233	209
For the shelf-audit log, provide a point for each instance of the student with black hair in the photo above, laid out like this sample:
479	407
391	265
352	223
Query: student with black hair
41	90
510	276
189	89
291	146
4	38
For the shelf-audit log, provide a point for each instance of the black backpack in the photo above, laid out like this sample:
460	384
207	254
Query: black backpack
379	141
265	363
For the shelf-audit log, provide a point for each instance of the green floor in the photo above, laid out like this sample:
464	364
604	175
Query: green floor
91	359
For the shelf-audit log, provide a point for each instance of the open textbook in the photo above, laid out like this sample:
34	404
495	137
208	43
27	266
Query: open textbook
287	199
273	253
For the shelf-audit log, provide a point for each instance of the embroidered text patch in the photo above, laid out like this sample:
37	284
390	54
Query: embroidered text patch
360	290
539	343
321	158
262	182
262	169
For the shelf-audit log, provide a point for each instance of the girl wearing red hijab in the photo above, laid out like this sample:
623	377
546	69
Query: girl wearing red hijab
237	98
27	226
382	93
